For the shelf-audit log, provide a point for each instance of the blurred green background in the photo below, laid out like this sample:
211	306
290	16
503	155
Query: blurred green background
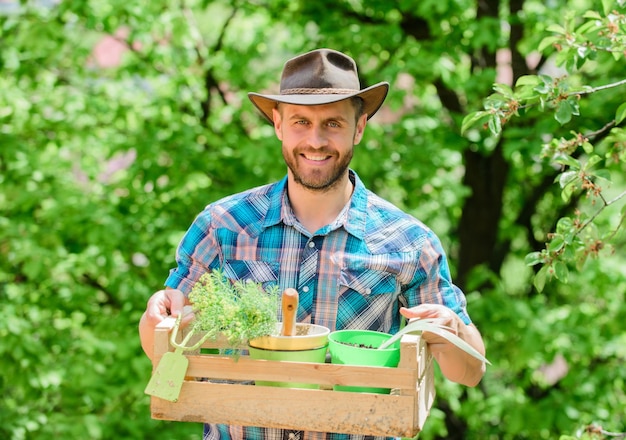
120	120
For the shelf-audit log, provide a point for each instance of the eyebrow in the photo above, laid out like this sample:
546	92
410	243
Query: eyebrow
338	118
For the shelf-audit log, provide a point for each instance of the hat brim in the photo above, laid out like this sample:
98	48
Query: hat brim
373	98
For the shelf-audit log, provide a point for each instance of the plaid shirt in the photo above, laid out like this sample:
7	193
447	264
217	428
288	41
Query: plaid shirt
353	273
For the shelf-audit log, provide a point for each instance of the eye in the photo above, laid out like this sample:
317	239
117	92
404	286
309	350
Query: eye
334	124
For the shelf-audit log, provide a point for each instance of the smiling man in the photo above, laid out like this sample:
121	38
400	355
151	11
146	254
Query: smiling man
356	260
317	147
318	142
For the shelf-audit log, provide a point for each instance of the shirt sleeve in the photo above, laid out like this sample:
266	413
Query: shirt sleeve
195	254
433	283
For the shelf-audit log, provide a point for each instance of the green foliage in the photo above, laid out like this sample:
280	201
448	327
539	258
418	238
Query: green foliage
587	160
103	167
241	311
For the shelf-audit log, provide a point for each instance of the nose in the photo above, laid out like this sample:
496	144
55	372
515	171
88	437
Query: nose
317	137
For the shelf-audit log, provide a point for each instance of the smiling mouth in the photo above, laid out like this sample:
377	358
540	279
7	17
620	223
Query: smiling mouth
315	158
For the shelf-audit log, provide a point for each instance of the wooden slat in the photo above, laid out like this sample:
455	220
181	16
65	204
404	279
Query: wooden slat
162	339
425	394
409	360
311	410
244	368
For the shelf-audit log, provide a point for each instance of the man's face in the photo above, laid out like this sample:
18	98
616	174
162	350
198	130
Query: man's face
318	141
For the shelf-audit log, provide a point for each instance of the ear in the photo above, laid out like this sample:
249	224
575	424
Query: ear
360	128
278	123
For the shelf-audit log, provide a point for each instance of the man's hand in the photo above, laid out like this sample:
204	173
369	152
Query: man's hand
442	315
456	364
164	303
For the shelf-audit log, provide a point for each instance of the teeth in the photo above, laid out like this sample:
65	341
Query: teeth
316	158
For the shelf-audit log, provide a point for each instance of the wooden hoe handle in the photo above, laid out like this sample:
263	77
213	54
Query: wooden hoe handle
290	311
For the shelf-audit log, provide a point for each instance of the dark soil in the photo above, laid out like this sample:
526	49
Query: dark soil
352	344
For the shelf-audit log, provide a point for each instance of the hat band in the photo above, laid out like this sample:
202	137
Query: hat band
309	91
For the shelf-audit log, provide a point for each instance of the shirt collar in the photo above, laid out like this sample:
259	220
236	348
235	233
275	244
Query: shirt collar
352	220
276	195
357	214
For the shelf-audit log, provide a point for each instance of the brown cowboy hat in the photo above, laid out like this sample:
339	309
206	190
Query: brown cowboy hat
318	77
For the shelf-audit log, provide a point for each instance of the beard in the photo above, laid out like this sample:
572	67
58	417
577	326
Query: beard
318	179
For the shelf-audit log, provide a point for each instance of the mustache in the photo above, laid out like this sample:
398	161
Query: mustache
313	151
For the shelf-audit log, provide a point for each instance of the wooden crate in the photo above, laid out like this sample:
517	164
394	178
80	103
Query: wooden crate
401	413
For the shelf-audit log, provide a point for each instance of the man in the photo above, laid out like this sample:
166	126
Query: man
356	260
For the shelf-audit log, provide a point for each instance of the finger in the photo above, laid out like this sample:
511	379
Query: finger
162	304
176	301
156	308
418	312
434	340
439	347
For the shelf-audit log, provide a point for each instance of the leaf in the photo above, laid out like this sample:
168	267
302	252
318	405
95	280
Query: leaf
580	258
602	174
567	178
495	125
564	112
547	42
587	147
566	193
527	80
586	27
540	279
593	15
593	159
556	244
504	90
561	272
569	161
472	119
556	28
533	258
427	325
572	100
564	225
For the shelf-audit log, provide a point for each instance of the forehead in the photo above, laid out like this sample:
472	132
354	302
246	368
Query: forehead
342	109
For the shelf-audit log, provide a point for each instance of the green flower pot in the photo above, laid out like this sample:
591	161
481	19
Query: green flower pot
360	347
309	345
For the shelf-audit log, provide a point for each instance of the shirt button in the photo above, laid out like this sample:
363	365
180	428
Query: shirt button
311	244
305	289
368	291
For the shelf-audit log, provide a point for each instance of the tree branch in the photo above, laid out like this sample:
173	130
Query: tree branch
210	82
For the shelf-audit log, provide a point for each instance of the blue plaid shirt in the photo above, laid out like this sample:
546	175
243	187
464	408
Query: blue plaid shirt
353	273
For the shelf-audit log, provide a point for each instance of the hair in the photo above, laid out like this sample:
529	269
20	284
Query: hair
358	104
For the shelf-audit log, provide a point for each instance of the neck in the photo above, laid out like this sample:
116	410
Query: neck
315	209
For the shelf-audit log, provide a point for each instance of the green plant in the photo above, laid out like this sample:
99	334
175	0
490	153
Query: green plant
239	311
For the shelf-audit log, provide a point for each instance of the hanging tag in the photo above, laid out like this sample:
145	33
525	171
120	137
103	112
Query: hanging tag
168	378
